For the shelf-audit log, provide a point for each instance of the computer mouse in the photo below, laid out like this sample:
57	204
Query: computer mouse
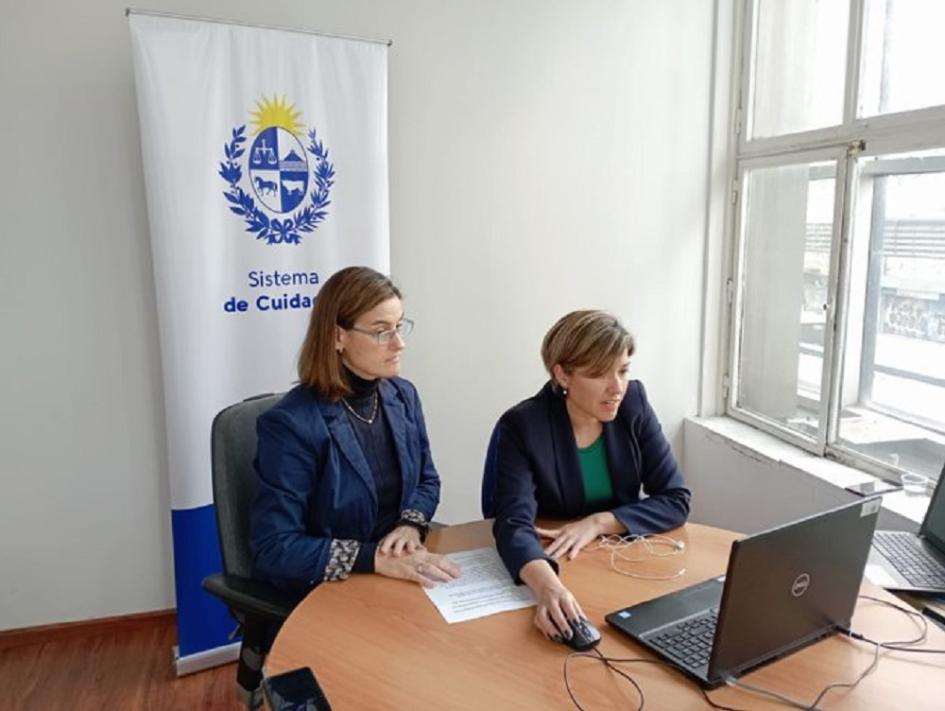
584	636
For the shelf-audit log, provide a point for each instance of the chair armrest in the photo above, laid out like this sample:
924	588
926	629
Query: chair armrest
251	596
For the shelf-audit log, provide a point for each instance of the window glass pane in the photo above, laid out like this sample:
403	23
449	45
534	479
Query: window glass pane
893	387
902	52
787	234
799	65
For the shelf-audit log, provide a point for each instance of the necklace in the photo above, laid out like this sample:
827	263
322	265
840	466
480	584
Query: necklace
366	420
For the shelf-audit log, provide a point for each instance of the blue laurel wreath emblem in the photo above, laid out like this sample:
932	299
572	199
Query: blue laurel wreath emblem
272	229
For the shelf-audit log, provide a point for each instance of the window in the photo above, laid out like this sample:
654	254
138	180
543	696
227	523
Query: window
838	282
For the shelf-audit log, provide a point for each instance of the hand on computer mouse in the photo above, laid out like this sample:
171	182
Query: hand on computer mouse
583	635
555	603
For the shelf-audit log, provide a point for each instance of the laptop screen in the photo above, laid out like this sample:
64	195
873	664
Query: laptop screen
791	584
933	527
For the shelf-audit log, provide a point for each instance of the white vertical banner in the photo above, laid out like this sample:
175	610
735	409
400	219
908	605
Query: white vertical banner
265	161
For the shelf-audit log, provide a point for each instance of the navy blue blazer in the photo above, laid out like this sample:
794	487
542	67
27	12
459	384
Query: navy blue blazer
315	487
538	473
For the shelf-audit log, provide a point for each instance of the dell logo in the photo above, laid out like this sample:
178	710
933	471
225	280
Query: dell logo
800	585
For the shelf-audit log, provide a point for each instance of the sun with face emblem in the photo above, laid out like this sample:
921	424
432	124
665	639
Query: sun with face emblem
276	113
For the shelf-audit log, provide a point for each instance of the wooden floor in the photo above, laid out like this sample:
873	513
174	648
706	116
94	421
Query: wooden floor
119	667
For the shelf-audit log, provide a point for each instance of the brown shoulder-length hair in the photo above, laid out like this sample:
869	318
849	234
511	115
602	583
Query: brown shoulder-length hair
590	340
342	299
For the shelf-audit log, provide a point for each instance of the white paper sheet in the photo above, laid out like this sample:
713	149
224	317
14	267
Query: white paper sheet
485	588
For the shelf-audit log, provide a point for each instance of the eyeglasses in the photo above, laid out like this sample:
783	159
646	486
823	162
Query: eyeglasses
402	329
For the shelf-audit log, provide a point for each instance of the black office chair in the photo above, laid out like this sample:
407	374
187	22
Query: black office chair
258	608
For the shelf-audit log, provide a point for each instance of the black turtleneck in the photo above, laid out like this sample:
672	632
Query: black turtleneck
377	444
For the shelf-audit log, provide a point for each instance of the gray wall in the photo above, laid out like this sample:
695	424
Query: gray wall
545	155
745	480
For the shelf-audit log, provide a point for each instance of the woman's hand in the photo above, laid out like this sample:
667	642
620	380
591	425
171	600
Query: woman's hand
421	566
570	539
403	540
556	605
555	610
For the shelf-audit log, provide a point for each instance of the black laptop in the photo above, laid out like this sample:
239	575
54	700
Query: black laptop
784	588
913	562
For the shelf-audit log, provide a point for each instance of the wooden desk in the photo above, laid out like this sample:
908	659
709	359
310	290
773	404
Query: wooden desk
377	643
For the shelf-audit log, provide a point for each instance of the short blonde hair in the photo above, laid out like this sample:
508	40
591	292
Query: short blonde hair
590	340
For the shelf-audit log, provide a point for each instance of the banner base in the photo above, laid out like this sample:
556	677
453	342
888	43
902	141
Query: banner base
206	659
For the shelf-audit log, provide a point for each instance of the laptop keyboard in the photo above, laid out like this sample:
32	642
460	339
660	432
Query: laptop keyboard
905	552
688	642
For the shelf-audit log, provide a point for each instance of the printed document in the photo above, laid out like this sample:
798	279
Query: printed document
484	588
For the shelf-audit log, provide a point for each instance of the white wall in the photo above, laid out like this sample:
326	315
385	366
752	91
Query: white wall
545	155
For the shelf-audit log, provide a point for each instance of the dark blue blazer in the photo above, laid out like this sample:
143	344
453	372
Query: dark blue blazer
538	473
315	485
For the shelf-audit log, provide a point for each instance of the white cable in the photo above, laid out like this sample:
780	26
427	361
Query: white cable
650	543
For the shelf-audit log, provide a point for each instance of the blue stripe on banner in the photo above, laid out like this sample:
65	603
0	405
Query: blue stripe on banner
203	622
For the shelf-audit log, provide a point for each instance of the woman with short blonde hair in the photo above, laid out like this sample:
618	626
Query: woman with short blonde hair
590	340
581	449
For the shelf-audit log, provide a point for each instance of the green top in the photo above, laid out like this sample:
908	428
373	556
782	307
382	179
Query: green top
598	491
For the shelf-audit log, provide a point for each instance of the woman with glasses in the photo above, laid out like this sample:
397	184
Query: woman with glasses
346	480
581	449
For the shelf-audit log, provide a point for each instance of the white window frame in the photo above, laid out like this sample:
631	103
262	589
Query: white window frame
854	138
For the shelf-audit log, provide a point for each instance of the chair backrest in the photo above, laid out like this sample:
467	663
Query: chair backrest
488	475
233	449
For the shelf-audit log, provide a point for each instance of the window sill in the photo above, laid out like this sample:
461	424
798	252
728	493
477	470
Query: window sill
902	509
